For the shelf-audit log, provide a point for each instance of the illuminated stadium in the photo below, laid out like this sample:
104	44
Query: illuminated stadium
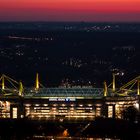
75	103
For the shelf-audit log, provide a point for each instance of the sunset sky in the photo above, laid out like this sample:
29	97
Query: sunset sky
70	10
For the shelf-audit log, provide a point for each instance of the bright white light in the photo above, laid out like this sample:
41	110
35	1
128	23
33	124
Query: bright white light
14	113
27	104
137	106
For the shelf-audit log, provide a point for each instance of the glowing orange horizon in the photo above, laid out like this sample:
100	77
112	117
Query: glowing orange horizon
88	10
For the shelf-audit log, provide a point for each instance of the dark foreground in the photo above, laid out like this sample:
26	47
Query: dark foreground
29	129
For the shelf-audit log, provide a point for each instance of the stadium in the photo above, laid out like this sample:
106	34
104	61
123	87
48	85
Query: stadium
60	103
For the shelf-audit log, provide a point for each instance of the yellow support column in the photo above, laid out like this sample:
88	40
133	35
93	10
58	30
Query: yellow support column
3	83
37	82
105	89
20	88
114	83
138	90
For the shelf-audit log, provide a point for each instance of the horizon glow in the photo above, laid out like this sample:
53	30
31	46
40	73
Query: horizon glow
70	10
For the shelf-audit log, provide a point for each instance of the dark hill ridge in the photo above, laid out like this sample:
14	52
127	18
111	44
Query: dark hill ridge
72	26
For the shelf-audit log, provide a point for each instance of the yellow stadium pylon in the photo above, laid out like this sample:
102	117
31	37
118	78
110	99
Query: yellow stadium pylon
114	83
105	89
20	88
37	82
3	82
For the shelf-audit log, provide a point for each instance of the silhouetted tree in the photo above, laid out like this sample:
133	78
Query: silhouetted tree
130	113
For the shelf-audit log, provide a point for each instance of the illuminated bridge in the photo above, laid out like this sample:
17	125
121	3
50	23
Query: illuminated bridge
75	103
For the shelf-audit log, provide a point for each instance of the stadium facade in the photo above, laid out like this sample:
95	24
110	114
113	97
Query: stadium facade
75	103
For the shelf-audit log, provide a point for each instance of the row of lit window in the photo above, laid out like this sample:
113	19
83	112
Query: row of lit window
54	108
67	116
81	105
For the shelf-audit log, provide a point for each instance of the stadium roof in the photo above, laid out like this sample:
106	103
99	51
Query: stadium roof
65	92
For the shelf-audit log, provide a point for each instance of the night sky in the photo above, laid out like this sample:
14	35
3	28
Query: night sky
70	10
